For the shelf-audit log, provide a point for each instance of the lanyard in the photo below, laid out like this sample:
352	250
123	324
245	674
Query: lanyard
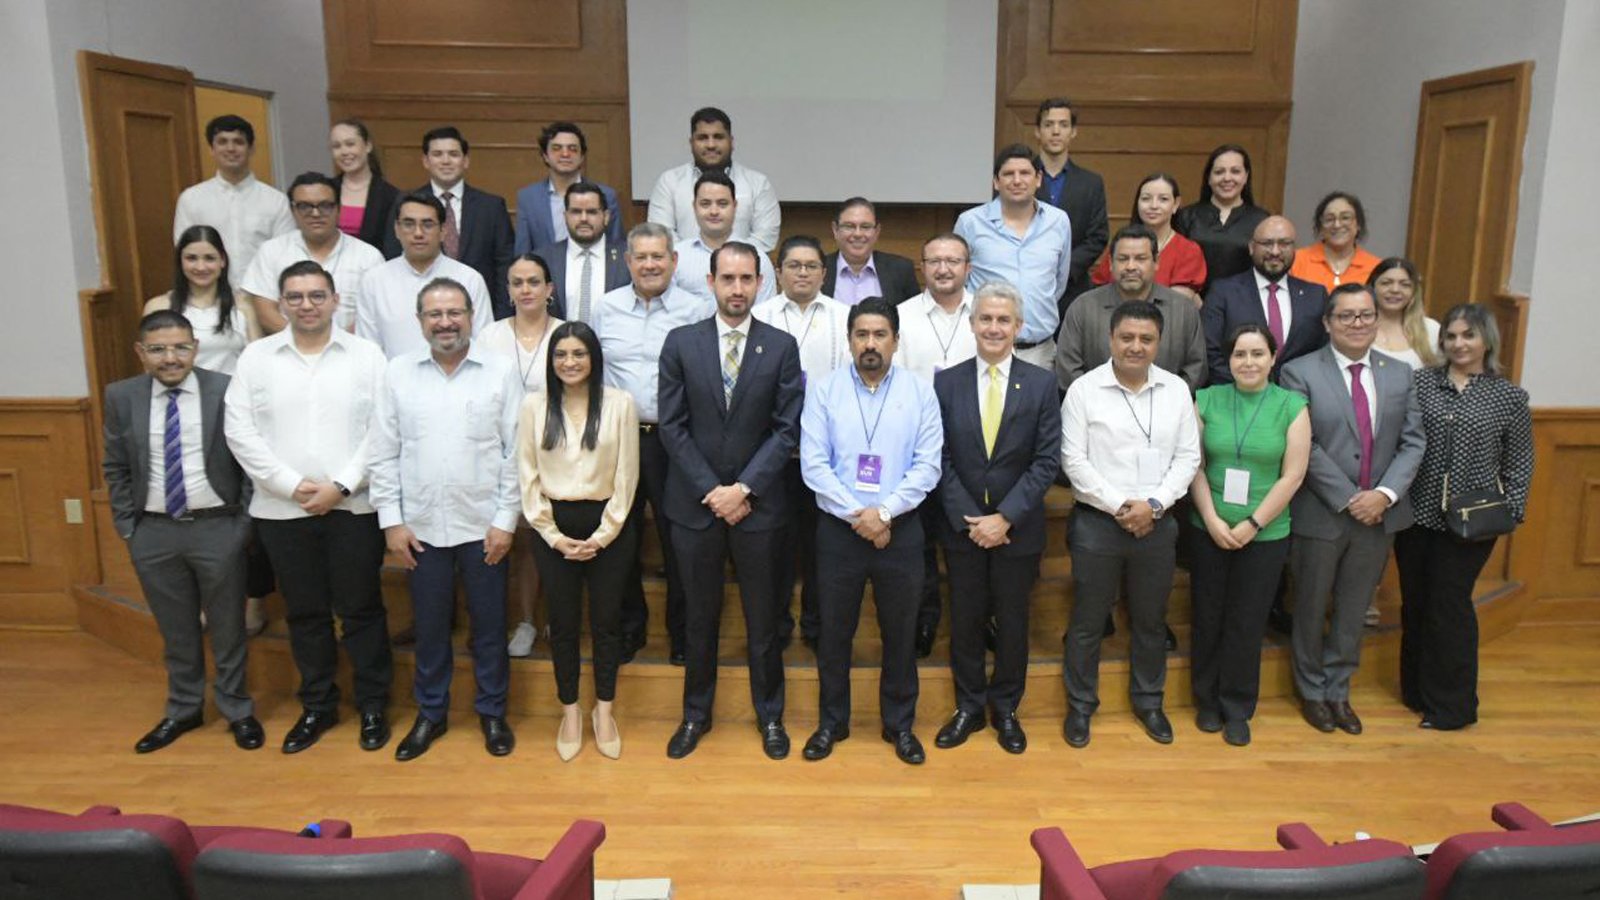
516	344
944	343
873	431
1147	432
813	310
1239	436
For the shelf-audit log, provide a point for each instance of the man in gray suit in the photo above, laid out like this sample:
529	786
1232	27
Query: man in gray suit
178	498
1366	445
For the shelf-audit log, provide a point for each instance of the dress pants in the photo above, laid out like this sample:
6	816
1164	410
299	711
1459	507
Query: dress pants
433	604
896	576
702	554
186	568
984	583
1105	557
797	558
1231	591
932	605
330	565
653	474
1340	574
1439	624
607	576
259	580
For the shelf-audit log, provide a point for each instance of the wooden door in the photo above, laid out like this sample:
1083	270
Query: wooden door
253	106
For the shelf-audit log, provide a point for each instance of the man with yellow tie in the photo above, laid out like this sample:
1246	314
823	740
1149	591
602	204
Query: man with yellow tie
992	490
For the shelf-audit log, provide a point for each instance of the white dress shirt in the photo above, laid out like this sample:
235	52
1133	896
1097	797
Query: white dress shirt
292	416
694	265
501	338
444	459
820	330
245	214
1004	376
756	218
217	351
387	314
723	329
1105	428
196	487
931	339
1370	384
455	192
597	274
1285	308
347	263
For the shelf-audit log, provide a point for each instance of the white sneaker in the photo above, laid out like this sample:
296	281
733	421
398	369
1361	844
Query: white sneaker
254	621
522	640
1374	617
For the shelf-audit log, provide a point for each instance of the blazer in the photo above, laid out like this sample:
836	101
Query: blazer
1234	301
1317	509
897	276
1083	199
534	227
486	243
127	447
377	223
617	275
1027	455
710	442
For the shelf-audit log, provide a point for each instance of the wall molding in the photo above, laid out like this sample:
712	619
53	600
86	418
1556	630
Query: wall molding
1550	552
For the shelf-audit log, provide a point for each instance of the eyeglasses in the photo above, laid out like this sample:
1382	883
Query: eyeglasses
856	227
325	208
418	224
457	314
1281	244
315	298
795	265
1354	317
159	350
1339	219
948	262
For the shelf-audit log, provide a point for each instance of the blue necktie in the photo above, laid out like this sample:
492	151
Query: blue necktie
172	452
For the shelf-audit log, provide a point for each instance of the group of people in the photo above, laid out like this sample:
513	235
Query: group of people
495	403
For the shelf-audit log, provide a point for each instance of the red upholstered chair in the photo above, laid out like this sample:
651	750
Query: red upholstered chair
1531	858
1306	868
416	866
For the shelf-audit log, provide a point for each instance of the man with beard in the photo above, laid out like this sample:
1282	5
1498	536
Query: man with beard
711	144
588	261
1267	295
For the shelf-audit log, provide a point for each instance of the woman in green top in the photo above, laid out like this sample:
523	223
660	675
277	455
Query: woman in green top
1256	439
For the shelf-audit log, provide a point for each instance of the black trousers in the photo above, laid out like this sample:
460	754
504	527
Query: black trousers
1104	558
607	576
932	606
797	558
1232	591
702	554
331	565
1439	624
848	563
652	488
985	583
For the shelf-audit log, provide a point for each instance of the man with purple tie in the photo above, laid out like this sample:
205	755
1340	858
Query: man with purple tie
1266	295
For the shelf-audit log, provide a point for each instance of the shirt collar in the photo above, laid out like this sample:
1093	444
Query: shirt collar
992	211
458	190
575	249
1004	365
871	268
723	328
474	356
189	385
337	337
1345	362
926	303
1262	282
245	183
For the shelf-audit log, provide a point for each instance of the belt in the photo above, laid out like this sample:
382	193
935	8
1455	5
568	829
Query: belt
646	427
1026	345
210	512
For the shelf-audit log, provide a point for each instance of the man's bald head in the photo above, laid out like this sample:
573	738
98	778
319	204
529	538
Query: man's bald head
1272	247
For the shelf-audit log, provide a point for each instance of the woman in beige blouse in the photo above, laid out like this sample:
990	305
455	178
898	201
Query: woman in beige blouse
578	451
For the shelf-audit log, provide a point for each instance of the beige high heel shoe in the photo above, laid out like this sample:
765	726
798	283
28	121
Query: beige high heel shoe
568	749
611	749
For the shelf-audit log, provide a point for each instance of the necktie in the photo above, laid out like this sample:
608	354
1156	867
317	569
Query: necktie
1358	397
1274	318
993	402
172	454
452	233
583	285
730	366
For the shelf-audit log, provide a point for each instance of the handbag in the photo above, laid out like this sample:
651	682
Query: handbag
1480	515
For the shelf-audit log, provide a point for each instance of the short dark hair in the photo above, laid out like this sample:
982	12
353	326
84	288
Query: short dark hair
582	187
798	242
1141	310
854	202
305	179
302	268
444	282
716	177
1355	204
425	197
1345	290
1136	231
1246	195
950	236
1017	151
549	132
1054	103
230	122
737	248
445	133
1249	328
710	115
873	306
164	318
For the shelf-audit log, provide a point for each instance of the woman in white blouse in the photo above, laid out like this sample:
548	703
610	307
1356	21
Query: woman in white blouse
578	452
201	292
1404	332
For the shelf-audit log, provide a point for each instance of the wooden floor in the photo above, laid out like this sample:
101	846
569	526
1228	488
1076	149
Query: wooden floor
727	823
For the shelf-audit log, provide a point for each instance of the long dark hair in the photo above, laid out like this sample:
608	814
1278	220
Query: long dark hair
180	282
372	157
1247	195
555	425
1154	176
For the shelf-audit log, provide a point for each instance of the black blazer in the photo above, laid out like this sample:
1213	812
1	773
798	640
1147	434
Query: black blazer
1027	455
750	440
1083	199
897	276
1234	301
377	223
486	243
617	275
127	447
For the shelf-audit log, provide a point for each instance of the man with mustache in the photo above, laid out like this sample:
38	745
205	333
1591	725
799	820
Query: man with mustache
1266	295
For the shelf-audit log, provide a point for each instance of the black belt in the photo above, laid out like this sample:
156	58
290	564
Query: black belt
210	512
646	427
1026	345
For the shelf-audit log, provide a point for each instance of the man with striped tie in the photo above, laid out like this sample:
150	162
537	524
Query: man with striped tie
178	498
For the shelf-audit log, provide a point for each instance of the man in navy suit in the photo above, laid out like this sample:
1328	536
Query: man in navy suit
1002	449
730	395
588	247
857	270
1268	296
540	222
477	227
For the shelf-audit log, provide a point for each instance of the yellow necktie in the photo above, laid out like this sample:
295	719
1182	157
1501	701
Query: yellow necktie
993	403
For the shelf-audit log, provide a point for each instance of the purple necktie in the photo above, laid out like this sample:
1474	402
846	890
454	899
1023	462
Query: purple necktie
172	454
1274	318
1358	397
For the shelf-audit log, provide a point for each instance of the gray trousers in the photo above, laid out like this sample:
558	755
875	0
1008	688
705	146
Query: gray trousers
1104	557
187	568
1340	575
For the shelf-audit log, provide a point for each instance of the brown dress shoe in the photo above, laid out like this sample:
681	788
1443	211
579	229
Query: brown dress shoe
1344	716
1318	715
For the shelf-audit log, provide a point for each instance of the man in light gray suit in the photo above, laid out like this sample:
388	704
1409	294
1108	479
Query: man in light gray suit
178	498
1366	445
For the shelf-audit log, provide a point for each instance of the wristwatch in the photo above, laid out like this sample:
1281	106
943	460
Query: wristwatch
883	515
1156	509
342	489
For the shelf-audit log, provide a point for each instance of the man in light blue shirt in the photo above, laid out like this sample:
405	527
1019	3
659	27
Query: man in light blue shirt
1020	240
870	445
715	202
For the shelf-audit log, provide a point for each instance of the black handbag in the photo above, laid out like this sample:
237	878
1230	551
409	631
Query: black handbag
1480	515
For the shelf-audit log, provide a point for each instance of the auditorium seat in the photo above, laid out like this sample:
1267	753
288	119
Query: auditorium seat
1531	858
1306	868
415	866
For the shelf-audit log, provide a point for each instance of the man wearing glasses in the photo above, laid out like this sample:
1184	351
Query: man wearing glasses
856	270
386	312
314	200
1267	295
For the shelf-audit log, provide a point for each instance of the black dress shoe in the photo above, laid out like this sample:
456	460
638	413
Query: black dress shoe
1172	641
678	658
686	738
1155	724
925	635
167	731
1237	733
631	645
1280	620
497	736
1344	718
820	746
961	726
906	746
1110	629
374	730
1318	715
1009	733
308	729
1076	729
423	733
775	740
1208	720
810	640
247	733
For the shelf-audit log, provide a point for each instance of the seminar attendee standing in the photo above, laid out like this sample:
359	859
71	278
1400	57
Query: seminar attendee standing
233	201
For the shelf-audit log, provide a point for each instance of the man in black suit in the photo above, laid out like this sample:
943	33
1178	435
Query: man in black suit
587	248
178	498
1269	296
477	226
1002	449
730	392
856	270
1078	192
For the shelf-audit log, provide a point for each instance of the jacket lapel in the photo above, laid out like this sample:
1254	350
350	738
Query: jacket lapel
1336	382
750	361
1013	401
139	425
711	348
210	414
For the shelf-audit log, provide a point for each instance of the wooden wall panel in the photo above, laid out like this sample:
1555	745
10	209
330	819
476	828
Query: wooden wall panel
44	462
1557	551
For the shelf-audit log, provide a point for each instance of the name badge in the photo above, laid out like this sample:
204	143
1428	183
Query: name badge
1149	467
804	379
869	472
1236	486
938	369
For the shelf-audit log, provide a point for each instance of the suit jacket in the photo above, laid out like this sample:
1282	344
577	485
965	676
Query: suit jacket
486	243
377	223
534	227
710	442
1027	455
127	447
1234	301
617	275
897	276
1083	199
1335	466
